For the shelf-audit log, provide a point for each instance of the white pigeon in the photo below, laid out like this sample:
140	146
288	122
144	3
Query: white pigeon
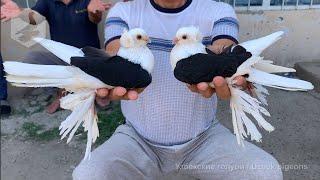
89	70
189	56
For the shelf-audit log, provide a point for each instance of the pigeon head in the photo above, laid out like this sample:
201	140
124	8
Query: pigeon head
134	38
188	35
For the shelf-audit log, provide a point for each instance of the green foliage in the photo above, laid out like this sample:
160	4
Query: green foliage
35	131
108	122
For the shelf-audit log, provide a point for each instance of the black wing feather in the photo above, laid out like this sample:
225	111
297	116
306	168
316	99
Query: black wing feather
204	67
94	52
114	71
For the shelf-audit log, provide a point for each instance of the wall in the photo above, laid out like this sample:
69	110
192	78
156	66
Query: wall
301	41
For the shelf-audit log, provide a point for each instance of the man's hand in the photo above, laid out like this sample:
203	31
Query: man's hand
96	8
104	96
9	10
220	45
221	87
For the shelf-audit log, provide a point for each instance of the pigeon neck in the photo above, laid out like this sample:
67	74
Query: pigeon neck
138	55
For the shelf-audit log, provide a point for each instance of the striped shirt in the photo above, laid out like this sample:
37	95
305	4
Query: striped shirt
167	112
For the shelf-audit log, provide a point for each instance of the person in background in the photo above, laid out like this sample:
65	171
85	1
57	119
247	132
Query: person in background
73	22
4	105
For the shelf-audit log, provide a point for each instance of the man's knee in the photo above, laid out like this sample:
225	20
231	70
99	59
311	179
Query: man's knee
87	170
266	167
111	168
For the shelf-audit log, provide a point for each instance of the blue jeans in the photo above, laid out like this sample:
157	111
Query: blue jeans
3	82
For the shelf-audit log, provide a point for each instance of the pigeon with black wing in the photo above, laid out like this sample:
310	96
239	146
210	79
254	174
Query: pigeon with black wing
89	69
193	63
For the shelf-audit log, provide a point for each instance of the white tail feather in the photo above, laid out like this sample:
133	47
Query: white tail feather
62	51
256	46
241	103
271	80
260	92
36	70
83	112
268	67
32	75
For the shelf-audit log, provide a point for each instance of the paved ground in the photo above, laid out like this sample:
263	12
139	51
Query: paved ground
309	71
296	140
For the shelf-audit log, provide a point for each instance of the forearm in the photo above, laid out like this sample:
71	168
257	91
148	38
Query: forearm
112	48
219	45
95	17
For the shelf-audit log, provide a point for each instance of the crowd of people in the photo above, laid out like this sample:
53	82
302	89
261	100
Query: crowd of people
169	125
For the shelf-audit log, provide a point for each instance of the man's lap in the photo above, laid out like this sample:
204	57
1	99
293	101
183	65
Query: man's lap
220	157
123	156
215	155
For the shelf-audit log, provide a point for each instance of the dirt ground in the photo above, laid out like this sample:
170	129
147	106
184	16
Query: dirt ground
31	149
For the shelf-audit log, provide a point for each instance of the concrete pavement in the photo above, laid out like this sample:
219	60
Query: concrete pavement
295	142
309	71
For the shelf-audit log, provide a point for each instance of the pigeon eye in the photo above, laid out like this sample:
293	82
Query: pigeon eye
184	37
139	37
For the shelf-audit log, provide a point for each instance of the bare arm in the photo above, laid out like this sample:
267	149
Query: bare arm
113	47
219	45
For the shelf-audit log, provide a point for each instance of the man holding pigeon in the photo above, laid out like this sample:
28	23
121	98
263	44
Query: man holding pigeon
170	130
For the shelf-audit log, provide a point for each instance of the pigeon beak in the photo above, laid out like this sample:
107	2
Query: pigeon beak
175	40
146	39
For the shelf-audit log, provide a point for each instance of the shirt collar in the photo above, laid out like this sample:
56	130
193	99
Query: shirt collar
167	10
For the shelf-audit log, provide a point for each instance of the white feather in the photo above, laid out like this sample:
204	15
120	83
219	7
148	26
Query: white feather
271	80
256	46
138	55
258	70
136	50
83	112
73	79
33	75
260	92
182	51
187	46
62	51
268	67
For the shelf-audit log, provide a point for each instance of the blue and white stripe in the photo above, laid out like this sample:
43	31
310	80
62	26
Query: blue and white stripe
167	45
114	27
116	21
226	27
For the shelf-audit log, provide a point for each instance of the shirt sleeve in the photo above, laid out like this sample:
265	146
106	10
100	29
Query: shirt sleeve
116	22
41	7
226	24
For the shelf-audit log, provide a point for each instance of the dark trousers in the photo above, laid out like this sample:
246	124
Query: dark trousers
3	82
